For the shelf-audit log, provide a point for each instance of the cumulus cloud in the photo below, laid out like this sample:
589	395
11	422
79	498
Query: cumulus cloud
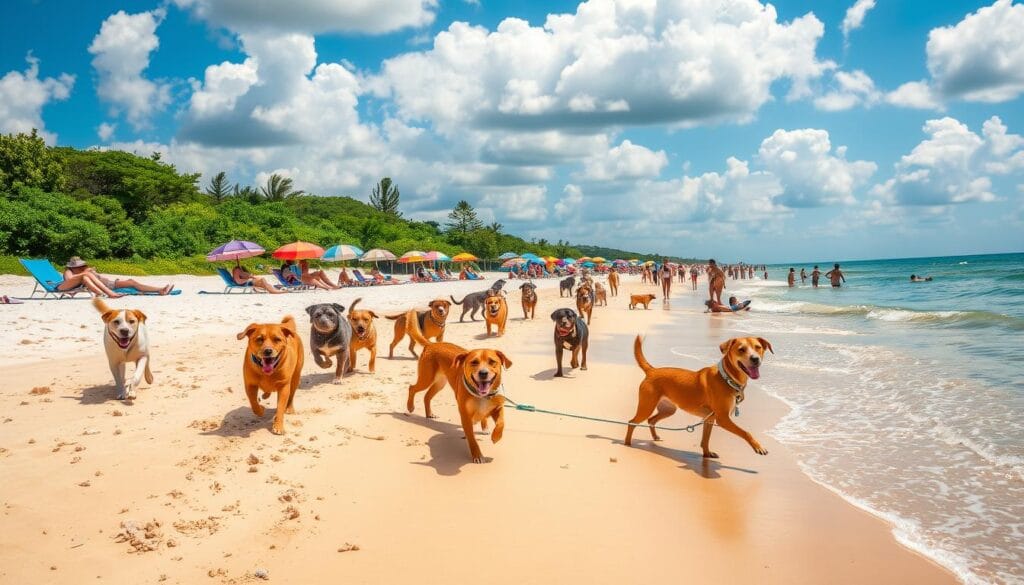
612	62
811	175
568	207
914	94
855	14
121	54
23	96
952	165
517	204
313	16
625	161
851	89
105	131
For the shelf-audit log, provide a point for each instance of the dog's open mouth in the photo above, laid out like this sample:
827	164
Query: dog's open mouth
122	341
494	311
483	387
268	363
753	371
564	331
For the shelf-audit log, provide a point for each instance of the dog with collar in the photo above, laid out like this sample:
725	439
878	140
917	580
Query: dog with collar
711	393
125	340
529	300
474	375
330	334
273	363
571	334
474	302
565	286
364	334
585	301
496	314
431	322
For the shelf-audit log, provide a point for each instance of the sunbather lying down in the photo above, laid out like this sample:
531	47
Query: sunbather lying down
78	273
243	277
734	306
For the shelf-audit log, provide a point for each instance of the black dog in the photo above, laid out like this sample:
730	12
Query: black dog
570	333
565	286
330	335
474	302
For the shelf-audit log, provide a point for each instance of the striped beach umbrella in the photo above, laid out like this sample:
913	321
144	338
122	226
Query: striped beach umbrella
298	251
514	262
377	255
508	255
436	256
342	252
412	256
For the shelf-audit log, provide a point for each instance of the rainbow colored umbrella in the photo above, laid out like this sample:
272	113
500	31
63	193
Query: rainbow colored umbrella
235	250
412	256
436	256
298	251
514	262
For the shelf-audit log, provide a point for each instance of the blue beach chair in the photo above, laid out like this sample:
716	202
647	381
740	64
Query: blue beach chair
48	279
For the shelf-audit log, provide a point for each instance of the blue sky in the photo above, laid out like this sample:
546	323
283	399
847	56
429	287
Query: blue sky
731	128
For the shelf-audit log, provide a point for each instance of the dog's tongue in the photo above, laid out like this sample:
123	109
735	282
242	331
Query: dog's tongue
483	387
753	372
268	365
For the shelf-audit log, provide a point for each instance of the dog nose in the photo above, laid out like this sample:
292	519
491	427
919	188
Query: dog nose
483	374
268	352
123	331
755	360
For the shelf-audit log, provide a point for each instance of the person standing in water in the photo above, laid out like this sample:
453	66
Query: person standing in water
666	280
836	276
716	281
803	276
791	278
815	275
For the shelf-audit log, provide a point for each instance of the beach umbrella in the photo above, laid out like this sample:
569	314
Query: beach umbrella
619	262
508	255
583	259
436	256
598	260
568	260
513	262
235	250
377	255
529	256
342	252
412	256
560	262
464	257
588	264
298	251
549	259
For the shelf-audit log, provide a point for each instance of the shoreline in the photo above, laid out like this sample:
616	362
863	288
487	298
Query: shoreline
358	470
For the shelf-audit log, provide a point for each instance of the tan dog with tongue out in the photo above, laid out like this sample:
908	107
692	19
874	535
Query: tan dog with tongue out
710	393
273	363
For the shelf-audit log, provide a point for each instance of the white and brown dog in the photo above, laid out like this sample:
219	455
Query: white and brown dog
125	340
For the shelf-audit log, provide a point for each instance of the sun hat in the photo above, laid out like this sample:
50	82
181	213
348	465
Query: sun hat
76	262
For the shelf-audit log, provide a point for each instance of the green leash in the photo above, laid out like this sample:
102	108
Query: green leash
531	408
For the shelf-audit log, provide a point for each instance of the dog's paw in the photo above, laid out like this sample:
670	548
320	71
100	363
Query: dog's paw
122	395
760	450
478	459
559	375
277	429
710	455
337	380
290	410
431	415
584	368
259	411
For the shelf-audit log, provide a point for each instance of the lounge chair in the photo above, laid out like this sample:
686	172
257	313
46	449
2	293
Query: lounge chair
362	279
290	286
48	279
231	286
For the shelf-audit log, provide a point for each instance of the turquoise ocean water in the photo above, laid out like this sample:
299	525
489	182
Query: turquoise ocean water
908	398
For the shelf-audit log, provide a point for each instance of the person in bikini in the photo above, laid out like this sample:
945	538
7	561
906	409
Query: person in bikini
716	281
666	280
243	277
78	273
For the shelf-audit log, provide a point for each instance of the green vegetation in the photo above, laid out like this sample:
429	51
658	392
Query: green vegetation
128	214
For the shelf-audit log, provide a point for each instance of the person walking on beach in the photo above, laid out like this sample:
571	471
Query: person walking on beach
694	272
666	280
815	275
803	276
836	276
791	278
716	281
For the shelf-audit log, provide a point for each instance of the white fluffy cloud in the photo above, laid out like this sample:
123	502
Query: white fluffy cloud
810	173
612	62
569	206
121	54
851	89
313	16
914	94
952	165
23	95
625	161
855	14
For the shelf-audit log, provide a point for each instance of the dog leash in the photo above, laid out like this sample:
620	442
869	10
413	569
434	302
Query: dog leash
532	408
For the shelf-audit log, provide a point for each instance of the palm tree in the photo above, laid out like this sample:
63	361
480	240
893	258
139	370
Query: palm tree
495	227
218	188
385	197
279	188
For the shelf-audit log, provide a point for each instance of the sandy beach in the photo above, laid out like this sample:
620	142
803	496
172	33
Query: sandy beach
185	485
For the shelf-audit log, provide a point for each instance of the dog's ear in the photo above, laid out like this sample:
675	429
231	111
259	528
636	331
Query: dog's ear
310	309
339	308
108	315
139	315
554	316
767	344
288	326
504	360
372	315
725	345
248	331
457	360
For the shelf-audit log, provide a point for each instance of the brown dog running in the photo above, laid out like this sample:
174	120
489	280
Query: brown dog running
475	375
431	322
529	298
613	283
273	363
495	313
364	335
644	300
600	295
712	392
585	301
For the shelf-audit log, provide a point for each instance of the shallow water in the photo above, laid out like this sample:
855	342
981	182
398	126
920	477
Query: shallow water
907	398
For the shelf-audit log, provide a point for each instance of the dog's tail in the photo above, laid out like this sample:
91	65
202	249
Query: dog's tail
394	317
412	327
638	353
457	302
352	307
100	305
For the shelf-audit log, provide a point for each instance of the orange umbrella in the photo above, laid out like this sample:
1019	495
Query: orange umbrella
298	251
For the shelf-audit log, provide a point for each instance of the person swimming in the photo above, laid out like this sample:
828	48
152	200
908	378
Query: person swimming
916	278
